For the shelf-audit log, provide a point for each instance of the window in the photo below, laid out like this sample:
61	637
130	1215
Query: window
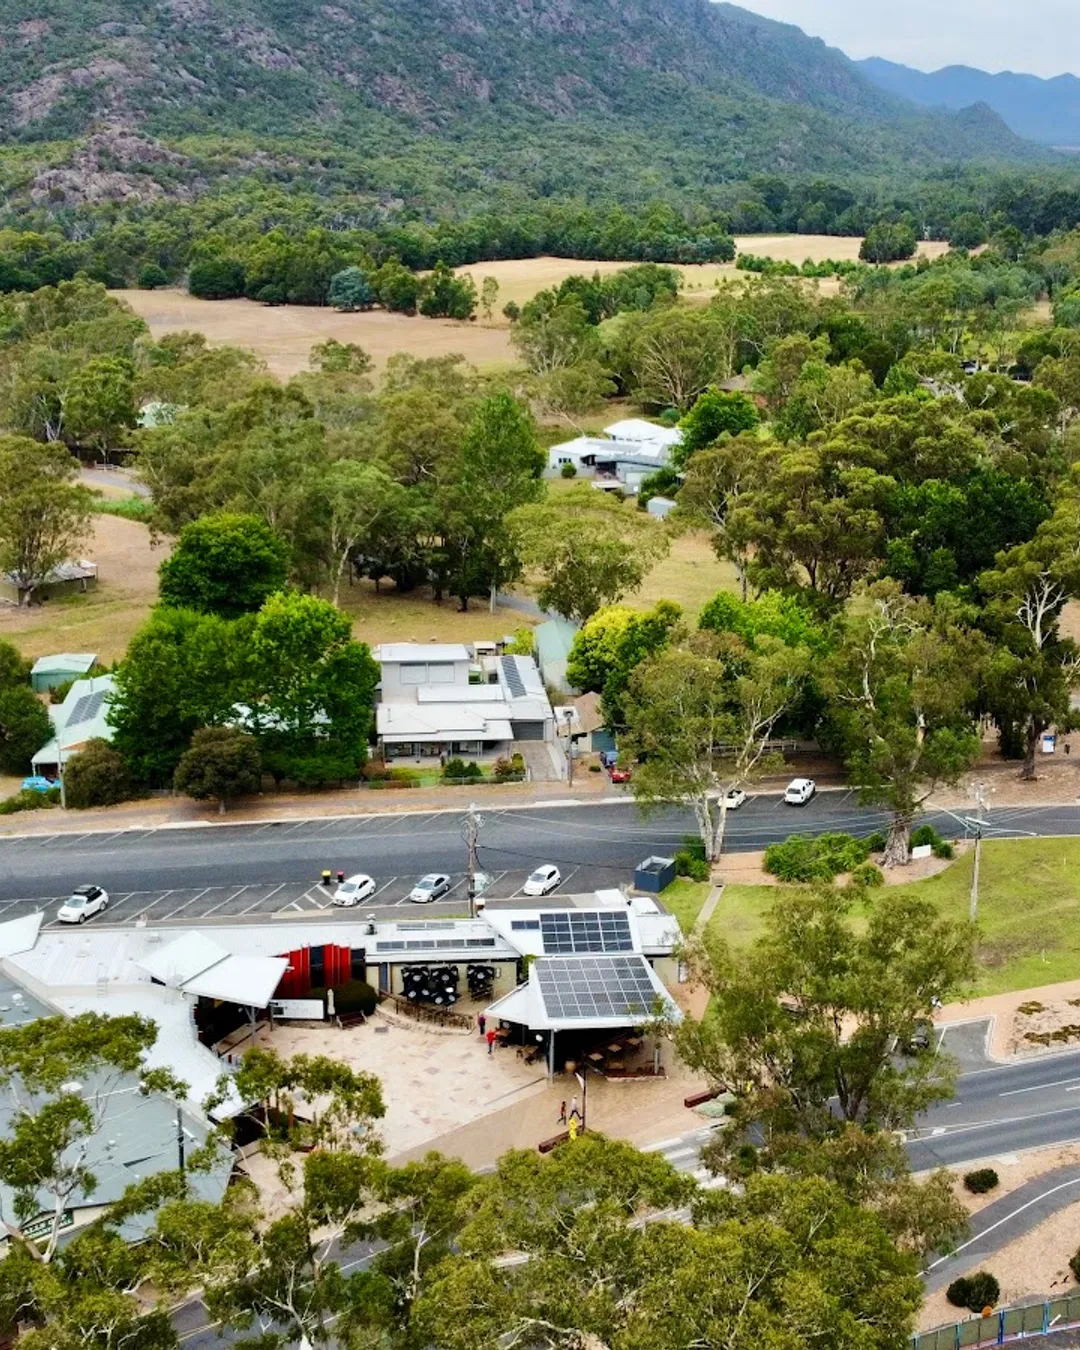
358	963
441	674
414	673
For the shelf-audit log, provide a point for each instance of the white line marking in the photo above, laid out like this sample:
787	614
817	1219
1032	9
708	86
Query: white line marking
147	908
263	899
226	900
1038	1087
1005	1219
185	904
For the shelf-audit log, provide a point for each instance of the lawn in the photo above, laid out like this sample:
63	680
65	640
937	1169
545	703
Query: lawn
684	898
1029	911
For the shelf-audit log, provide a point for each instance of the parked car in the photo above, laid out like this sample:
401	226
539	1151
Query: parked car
354	889
36	783
621	773
543	881
921	1037
83	903
799	791
430	888
733	800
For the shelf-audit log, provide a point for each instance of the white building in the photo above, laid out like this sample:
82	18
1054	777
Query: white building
630	451
438	701
83	716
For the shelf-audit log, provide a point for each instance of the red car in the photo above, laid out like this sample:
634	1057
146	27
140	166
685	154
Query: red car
620	773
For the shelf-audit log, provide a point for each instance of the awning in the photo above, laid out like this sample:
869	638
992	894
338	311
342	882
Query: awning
247	980
183	959
19	935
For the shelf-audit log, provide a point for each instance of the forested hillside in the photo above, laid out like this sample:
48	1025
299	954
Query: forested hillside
440	104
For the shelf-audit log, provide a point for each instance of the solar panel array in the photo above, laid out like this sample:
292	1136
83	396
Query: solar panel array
570	932
86	708
591	987
513	677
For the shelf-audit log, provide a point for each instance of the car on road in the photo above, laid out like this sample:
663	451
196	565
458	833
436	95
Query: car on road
35	783
543	881
353	890
82	904
621	773
733	800
430	888
799	791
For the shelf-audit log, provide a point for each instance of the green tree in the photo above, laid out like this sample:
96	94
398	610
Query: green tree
100	407
699	720
677	353
901	687
444	295
572	392
555	336
216	278
180	673
489	296
610	646
497	470
351	290
222	763
1033	669
225	564
713	414
44	511
713	484
354	498
885	243
397	288
96	776
586	549
309	689
806	1022
340	358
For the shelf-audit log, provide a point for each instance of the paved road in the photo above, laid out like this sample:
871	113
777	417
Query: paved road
252	870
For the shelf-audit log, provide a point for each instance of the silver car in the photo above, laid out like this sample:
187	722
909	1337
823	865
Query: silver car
430	888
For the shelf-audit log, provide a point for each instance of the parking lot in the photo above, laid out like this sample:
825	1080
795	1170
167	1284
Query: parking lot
289	900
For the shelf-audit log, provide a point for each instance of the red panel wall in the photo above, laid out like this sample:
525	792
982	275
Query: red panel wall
296	982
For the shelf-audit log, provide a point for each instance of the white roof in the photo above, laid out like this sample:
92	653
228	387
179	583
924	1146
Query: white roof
183	959
78	663
247	980
443	721
637	429
422	651
19	935
590	976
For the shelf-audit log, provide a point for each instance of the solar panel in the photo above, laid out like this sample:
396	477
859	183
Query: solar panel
567	932
589	987
86	708
513	677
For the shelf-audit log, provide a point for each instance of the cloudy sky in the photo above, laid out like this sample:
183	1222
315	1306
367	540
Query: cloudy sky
1041	37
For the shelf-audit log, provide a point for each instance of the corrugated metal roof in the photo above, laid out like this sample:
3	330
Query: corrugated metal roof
63	663
422	651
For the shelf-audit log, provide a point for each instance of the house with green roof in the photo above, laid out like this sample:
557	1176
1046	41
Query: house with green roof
49	672
80	718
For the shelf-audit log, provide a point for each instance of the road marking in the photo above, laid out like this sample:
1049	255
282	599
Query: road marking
1039	1087
375	894
1004	1219
262	899
146	908
212	908
177	910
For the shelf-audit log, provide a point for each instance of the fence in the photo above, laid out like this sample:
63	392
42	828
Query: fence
1010	1324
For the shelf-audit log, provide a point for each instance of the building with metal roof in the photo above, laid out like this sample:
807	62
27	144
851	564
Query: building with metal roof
49	672
554	639
82	717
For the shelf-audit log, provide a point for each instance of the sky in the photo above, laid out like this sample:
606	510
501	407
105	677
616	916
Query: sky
1037	37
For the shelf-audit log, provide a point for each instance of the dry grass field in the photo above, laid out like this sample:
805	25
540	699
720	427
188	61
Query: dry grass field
284	335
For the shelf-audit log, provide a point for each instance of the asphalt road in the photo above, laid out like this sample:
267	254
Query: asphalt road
250	871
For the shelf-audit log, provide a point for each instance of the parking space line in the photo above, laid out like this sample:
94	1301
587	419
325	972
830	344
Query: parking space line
226	900
376	893
47	840
185	904
562	884
262	899
158	897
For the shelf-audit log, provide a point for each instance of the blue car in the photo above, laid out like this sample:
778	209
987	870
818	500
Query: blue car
36	783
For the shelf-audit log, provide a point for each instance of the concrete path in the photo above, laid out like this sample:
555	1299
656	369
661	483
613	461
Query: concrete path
708	909
1005	1220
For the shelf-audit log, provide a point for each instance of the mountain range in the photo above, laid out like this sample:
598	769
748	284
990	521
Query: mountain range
443	104
1041	110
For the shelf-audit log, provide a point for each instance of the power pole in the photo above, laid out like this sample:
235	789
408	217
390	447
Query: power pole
471	832
569	747
180	1140
979	792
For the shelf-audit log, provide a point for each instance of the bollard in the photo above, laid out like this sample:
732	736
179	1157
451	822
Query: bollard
326	876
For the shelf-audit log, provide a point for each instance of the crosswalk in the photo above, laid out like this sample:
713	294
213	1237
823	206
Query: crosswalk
684	1154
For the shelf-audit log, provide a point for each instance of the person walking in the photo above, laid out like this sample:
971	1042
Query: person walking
562	1113
491	1041
481	1022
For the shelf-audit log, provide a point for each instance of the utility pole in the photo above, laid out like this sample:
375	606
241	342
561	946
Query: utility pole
980	793
471	832
569	713
180	1140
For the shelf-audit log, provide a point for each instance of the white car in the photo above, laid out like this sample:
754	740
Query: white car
734	799
799	791
543	881
82	904
430	888
354	889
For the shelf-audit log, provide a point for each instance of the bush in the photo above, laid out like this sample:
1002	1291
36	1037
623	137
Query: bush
355	996
980	1181
799	859
27	800
457	771
1074	1266
97	776
151	276
510	770
686	865
875	843
923	835
868	874
568	471
974	1292
943	849
374	771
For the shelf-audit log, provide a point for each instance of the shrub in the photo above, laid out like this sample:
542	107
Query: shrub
868	874
374	771
568	471
457	771
980	1181
943	849
27	800
875	843
799	859
151	276
974	1292
97	776
595	768
355	996
510	770
1074	1265
923	835
59	692
686	865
